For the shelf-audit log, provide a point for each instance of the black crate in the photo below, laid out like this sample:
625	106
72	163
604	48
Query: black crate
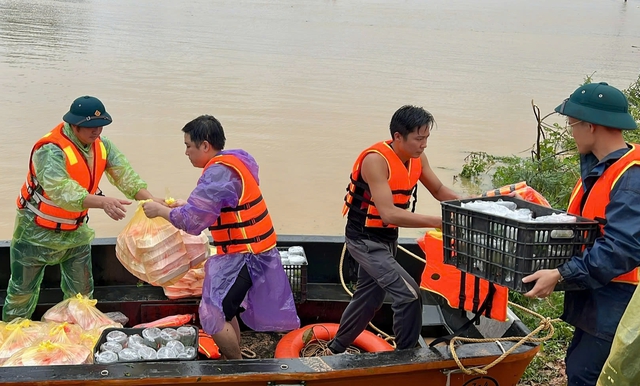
504	250
133	331
297	275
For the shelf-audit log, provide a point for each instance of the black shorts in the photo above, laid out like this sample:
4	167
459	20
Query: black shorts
235	296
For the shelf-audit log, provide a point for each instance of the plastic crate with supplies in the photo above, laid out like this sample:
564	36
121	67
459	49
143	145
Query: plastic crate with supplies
294	262
503	247
151	344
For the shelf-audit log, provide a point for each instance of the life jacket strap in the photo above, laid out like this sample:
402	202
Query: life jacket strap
405	192
415	198
38	198
476	318
57	220
251	240
369	215
246	206
413	191
239	224
476	294
359	184
358	197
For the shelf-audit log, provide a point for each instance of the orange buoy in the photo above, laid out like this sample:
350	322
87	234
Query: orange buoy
291	344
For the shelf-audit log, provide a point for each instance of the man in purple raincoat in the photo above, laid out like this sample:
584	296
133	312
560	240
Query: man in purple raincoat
245	275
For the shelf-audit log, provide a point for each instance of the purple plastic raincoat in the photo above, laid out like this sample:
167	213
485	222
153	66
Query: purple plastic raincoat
269	303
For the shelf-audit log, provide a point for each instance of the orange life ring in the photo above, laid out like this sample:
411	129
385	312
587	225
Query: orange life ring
291	344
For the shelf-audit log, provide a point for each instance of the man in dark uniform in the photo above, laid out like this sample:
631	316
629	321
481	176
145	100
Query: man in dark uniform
609	192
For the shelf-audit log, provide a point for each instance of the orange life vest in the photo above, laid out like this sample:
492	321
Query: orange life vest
402	180
598	199
503	191
247	228
34	198
523	191
461	290
207	346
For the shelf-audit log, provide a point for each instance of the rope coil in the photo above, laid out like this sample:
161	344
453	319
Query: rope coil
319	347
247	353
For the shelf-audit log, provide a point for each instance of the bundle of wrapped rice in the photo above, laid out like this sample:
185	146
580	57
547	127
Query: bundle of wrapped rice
152	250
197	248
156	252
189	286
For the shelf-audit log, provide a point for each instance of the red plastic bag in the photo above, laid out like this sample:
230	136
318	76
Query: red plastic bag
169	321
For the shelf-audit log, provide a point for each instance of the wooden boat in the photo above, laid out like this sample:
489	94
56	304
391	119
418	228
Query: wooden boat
117	290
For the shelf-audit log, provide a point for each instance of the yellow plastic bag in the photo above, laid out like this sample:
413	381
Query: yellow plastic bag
622	368
90	338
2	332
23	333
79	310
152	250
64	333
48	353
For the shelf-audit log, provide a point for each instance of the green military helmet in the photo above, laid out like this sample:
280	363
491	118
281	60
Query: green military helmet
600	104
87	111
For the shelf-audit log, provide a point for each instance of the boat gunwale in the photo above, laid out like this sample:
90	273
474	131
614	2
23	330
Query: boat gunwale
271	369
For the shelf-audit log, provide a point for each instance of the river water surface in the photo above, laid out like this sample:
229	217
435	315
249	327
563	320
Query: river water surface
304	86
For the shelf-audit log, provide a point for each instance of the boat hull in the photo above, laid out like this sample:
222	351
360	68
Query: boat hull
117	290
409	367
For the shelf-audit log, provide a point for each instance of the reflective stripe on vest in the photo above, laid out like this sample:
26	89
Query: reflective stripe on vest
207	346
247	228
402	181
32	197
503	191
598	199
461	290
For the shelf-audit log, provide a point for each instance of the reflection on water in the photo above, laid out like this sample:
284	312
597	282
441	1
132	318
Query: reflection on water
42	33
303	86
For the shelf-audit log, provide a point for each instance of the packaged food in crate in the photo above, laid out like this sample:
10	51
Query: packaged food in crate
503	239
151	344
294	262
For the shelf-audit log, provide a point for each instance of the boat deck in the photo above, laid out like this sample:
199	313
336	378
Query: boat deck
117	290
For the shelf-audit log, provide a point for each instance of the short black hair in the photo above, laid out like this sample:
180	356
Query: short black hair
206	128
408	119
